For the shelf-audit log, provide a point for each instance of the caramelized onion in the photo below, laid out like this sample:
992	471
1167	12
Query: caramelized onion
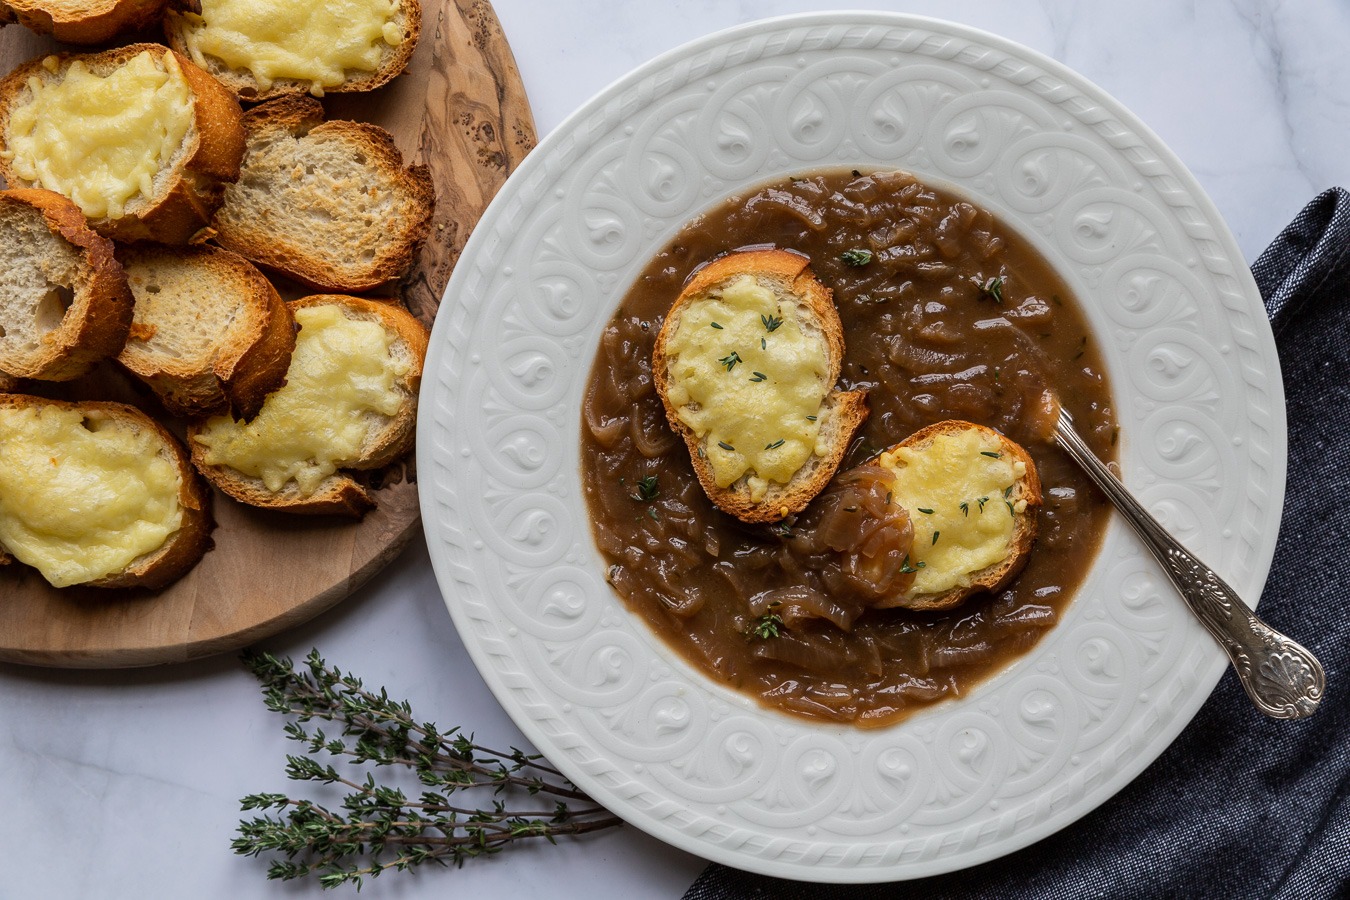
854	533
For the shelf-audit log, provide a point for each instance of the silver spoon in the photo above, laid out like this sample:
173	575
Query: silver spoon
1281	677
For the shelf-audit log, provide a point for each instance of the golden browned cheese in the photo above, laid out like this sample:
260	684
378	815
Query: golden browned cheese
342	377
78	503
101	139
318	43
957	491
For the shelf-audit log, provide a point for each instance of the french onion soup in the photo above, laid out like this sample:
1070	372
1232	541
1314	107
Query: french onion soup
947	314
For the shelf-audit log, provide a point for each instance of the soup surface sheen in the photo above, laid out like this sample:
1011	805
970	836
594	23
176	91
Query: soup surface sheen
954	316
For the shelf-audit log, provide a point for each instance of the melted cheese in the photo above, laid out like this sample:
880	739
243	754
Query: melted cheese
101	140
750	381
954	489
302	40
341	374
80	500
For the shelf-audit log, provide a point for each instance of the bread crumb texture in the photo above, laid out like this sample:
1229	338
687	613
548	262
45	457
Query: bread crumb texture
749	374
38	280
102	140
314	43
342	387
82	497
959	491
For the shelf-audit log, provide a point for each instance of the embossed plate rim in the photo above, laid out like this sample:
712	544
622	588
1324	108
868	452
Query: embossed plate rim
464	560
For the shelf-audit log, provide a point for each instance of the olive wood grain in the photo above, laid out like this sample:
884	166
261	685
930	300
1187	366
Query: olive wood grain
461	110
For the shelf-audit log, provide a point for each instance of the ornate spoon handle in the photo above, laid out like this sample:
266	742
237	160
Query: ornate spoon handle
1281	677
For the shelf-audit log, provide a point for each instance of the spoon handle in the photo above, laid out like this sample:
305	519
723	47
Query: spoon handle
1281	677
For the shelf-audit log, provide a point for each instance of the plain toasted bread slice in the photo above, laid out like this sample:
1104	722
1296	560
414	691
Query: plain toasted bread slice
326	203
385	435
209	333
78	480
64	301
170	206
82	21
808	308
982	474
304	48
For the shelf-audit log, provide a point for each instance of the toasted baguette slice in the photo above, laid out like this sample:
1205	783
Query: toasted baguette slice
64	301
964	473
183	183
305	48
82	21
98	494
210	334
796	298
326	203
288	457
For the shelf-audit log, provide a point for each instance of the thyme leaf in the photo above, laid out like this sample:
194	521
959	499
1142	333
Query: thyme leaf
380	827
991	288
857	257
647	489
767	626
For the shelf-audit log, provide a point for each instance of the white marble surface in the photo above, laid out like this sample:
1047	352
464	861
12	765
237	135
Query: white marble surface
126	784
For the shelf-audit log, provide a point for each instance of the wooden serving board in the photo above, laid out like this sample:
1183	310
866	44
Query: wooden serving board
461	110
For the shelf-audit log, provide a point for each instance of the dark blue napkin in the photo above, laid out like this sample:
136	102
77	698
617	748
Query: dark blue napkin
1239	806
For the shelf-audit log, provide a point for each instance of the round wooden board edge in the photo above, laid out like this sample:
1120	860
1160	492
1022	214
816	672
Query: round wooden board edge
419	291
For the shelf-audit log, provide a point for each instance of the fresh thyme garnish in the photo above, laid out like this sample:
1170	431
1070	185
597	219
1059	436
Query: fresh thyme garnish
782	529
982	501
965	509
857	257
810	418
646	489
767	626
651	513
715	325
926	512
378	828
727	447
763	344
757	376
771	322
935	537
730	361
991	288
1012	512
1007	492
775	445
907	569
991	454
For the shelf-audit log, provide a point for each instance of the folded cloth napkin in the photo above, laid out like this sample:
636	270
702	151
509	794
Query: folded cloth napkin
1238	806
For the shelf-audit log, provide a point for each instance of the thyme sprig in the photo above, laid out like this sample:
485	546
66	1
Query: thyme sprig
378	827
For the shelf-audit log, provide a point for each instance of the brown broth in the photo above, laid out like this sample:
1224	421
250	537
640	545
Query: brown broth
928	344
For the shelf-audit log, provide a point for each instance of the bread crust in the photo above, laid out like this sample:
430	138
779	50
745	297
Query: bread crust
995	577
83	26
245	87
242	367
244	230
95	325
196	184
339	493
789	274
185	547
